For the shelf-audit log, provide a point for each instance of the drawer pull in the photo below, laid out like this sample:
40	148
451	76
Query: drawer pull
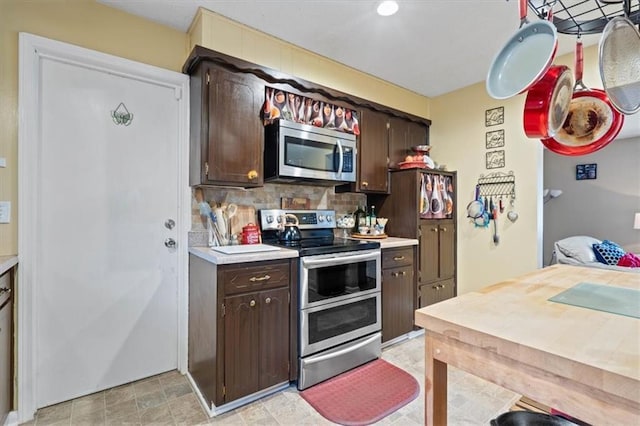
399	274
263	278
398	258
252	303
5	290
267	300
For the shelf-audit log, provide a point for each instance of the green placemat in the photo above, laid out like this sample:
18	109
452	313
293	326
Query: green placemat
606	298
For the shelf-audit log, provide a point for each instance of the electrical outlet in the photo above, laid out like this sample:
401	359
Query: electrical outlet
5	211
3	162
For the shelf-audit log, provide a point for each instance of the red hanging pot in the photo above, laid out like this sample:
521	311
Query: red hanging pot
592	122
547	104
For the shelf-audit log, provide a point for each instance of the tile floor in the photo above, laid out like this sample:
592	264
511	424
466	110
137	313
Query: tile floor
167	399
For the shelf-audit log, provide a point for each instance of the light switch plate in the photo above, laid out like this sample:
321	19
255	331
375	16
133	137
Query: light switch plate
3	162
5	211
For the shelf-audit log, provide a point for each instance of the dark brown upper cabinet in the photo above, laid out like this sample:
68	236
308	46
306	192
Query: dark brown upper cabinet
403	135
227	135
373	153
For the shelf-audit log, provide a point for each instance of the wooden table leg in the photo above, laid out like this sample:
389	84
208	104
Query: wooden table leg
435	383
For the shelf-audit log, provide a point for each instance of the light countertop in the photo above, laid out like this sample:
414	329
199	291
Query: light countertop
391	242
224	259
7	262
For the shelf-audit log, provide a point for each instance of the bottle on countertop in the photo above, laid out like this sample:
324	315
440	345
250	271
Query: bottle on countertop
372	216
360	218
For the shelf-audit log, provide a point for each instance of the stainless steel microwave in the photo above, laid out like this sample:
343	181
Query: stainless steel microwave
296	152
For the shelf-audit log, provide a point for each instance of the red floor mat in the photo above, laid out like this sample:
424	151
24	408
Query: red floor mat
363	395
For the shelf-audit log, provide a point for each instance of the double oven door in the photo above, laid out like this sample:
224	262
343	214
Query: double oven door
339	298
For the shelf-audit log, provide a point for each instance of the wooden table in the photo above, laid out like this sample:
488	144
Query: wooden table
580	361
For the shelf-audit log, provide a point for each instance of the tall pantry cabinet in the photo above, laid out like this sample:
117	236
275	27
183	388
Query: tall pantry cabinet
422	205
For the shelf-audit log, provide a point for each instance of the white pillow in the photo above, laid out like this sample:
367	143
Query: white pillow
579	248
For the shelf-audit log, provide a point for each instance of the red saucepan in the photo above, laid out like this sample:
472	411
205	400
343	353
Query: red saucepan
619	57
547	104
525	58
591	123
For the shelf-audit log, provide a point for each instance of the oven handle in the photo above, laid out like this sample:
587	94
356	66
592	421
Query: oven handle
340	156
320	358
316	263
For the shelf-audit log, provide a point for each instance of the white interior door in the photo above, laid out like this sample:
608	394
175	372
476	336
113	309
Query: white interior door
105	287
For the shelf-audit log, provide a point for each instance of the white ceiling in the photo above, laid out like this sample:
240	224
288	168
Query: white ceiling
430	47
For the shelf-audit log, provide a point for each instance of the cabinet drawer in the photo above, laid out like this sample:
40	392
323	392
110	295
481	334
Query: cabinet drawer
255	277
393	258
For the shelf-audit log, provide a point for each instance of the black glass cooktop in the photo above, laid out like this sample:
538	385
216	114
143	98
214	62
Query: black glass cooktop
313	246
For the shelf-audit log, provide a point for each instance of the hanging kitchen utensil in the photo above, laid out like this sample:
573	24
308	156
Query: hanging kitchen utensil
496	237
591	122
619	59
547	104
524	59
475	208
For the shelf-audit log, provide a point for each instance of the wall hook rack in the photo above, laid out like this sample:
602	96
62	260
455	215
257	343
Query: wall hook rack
498	184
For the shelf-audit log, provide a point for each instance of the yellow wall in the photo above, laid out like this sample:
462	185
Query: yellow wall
81	22
223	35
458	140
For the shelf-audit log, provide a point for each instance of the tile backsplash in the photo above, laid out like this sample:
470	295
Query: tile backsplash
269	197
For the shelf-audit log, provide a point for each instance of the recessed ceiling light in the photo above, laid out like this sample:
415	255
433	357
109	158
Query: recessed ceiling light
387	8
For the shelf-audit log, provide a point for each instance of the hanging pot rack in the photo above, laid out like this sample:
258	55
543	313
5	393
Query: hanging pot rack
585	16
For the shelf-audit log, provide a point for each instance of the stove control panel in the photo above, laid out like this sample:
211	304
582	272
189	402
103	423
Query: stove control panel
272	219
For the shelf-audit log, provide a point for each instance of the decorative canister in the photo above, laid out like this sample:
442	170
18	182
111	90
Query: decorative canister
251	234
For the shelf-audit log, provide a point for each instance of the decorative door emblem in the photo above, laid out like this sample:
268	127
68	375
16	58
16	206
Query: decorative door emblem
121	115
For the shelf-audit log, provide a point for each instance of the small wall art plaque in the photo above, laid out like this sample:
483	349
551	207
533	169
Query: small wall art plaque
586	171
495	159
494	116
494	139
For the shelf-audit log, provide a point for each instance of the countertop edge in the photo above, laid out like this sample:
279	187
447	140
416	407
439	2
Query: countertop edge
392	242
8	262
225	259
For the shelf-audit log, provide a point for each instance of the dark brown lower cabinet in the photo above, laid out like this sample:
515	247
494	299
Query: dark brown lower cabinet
6	344
240	334
256	347
436	292
398	291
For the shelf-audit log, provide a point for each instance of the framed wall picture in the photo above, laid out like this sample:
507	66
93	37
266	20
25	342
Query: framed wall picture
495	159
586	171
494	116
494	139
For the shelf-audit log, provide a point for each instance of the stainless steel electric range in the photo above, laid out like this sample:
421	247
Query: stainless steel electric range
339	291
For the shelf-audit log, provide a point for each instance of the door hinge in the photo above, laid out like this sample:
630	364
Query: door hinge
208	78
224	391
288	366
224	310
289	298
206	169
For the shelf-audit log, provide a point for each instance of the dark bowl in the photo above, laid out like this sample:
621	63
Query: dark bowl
529	418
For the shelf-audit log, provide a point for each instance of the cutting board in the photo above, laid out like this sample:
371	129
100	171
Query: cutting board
244	215
244	248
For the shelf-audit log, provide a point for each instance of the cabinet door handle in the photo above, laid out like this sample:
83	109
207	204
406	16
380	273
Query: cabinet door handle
398	258
365	183
263	278
252	174
267	300
444	229
434	229
252	303
5	290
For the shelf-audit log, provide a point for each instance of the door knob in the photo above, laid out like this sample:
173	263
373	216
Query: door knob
169	223
170	243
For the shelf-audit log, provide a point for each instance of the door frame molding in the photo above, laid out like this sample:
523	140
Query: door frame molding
32	50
